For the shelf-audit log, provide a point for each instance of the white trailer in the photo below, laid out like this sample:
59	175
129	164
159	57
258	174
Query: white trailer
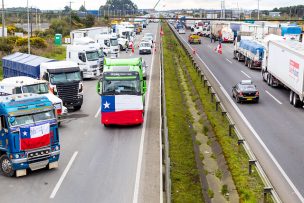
283	66
89	32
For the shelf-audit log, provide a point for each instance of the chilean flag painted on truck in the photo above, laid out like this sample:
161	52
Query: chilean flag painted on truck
122	109
35	136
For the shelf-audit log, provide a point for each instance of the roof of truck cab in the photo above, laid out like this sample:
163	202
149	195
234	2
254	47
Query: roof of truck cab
59	64
123	62
21	80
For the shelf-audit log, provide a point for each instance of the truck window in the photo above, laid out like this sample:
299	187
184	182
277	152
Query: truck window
3	123
17	90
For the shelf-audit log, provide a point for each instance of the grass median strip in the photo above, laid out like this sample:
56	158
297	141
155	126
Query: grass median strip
249	187
186	185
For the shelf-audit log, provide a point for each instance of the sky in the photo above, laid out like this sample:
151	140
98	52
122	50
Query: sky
163	5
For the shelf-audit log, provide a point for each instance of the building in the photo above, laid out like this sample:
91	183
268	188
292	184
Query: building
274	14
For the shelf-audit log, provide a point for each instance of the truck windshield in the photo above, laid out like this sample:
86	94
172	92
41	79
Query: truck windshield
114	42
65	77
113	86
41	88
31	119
92	55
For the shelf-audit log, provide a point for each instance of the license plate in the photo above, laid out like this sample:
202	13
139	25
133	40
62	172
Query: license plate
249	99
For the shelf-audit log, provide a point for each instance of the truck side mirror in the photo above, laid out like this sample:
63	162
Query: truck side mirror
45	76
81	75
82	57
99	87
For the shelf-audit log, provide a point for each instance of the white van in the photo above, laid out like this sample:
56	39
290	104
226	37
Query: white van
109	43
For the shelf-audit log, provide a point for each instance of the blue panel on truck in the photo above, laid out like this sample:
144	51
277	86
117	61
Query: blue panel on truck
291	30
19	64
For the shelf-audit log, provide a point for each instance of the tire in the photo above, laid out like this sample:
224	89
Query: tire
6	166
106	125
263	73
296	101
120	47
232	95
291	97
237	99
76	108
246	62
238	57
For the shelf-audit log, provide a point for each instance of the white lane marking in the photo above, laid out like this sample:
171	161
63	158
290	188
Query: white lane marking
228	60
296	191
245	74
98	112
142	138
273	97
66	170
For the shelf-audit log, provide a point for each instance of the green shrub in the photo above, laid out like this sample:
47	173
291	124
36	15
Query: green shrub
38	42
21	42
6	47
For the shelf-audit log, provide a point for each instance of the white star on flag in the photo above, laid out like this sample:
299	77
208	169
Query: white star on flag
24	133
106	105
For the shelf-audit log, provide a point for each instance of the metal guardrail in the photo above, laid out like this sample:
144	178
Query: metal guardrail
165	138
268	188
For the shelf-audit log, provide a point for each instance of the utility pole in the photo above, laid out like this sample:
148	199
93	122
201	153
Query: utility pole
3	19
31	21
36	19
70	15
28	29
258	9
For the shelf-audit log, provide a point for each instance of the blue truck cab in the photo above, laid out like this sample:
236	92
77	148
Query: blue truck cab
29	137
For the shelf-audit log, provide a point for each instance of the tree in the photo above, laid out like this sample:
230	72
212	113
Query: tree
66	10
89	20
123	5
82	8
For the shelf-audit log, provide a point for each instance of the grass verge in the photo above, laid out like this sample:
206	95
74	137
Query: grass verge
249	187
186	185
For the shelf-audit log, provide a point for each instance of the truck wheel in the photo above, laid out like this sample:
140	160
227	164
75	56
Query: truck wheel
237	99
120	47
291	97
238	57
6	166
296	100
76	108
263	75
245	61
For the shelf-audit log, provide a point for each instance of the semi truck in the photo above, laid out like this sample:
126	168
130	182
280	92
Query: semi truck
64	77
283	66
24	84
29	134
222	31
249	51
87	57
122	89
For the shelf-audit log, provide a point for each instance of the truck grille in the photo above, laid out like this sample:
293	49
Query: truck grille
38	155
68	92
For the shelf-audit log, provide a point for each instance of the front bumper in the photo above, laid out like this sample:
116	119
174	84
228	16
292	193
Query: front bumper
76	102
122	118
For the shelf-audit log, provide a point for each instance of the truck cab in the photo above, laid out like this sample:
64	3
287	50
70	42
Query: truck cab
87	57
109	43
29	134
122	89
65	81
24	84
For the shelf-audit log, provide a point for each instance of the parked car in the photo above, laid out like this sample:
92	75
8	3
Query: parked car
245	91
148	39
145	48
181	31
194	39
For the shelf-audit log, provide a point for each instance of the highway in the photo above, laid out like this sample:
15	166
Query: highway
277	123
99	164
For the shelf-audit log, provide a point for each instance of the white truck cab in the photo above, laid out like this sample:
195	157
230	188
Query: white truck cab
87	57
109	43
24	84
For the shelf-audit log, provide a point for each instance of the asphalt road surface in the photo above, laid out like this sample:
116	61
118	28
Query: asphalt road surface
278	123
97	164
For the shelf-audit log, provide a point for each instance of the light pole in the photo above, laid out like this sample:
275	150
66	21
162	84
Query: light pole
3	19
28	29
258	9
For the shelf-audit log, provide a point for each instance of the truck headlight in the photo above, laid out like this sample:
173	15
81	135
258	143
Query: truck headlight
17	156
56	148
